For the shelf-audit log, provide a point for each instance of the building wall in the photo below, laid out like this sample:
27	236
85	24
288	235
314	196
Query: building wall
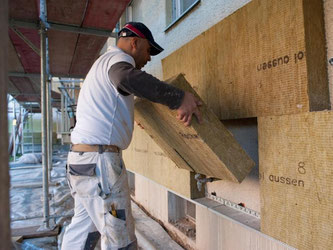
200	18
203	16
151	195
328	8
214	230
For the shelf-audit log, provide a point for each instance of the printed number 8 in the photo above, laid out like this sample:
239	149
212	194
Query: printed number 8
301	167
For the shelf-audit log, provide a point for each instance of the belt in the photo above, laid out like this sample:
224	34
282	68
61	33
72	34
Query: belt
94	148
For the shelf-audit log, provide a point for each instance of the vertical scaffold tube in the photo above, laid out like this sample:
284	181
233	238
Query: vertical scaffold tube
44	93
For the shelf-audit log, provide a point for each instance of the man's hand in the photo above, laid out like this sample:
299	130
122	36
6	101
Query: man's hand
188	107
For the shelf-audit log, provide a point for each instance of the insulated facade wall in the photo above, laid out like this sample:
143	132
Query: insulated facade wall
241	75
181	33
296	178
267	58
328	10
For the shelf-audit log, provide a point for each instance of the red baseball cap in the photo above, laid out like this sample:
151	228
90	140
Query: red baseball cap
138	29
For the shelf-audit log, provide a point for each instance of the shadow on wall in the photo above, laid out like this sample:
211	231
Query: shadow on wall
245	132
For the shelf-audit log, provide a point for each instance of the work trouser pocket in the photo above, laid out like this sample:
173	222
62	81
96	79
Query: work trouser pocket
119	224
83	179
82	169
116	230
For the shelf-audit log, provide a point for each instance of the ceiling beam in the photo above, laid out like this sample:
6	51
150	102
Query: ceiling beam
62	27
26	40
37	75
22	74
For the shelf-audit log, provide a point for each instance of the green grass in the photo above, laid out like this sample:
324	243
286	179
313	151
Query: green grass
11	158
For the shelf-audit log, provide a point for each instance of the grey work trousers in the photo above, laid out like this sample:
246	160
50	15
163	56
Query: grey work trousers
99	186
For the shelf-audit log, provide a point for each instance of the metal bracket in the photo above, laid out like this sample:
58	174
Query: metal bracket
201	179
331	61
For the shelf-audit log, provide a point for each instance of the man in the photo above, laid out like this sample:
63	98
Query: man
96	173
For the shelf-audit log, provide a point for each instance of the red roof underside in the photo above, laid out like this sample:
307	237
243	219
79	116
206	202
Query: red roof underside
29	59
69	53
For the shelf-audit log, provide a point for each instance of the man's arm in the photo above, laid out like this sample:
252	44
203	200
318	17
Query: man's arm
129	80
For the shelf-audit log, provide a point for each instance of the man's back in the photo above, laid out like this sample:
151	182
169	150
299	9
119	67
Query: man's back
103	115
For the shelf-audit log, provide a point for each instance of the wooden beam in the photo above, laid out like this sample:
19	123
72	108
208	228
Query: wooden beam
33	232
267	58
296	178
5	237
207	148
18	239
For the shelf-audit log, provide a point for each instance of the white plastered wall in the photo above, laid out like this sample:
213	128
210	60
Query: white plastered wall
213	230
200	18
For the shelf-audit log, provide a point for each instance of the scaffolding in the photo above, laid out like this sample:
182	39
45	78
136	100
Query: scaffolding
18	135
23	128
66	117
69	87
28	140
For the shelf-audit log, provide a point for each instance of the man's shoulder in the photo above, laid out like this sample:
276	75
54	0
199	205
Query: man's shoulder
114	50
117	55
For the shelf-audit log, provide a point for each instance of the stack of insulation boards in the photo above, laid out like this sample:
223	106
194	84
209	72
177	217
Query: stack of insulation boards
268	60
207	148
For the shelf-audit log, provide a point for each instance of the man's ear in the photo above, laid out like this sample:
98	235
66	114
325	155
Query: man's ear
134	42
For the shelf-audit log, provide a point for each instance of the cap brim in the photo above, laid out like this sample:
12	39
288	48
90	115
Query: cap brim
155	49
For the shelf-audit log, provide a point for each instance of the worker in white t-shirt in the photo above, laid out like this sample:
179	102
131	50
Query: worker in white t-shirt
96	173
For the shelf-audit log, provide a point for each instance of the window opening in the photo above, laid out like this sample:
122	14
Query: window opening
178	9
181	214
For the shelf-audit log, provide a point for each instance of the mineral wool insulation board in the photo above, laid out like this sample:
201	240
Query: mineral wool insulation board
144	157
296	178
267	58
207	148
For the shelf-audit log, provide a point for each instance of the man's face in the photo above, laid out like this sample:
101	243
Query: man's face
141	52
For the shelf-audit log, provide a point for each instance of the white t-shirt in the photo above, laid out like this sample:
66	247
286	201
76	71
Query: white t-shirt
104	116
